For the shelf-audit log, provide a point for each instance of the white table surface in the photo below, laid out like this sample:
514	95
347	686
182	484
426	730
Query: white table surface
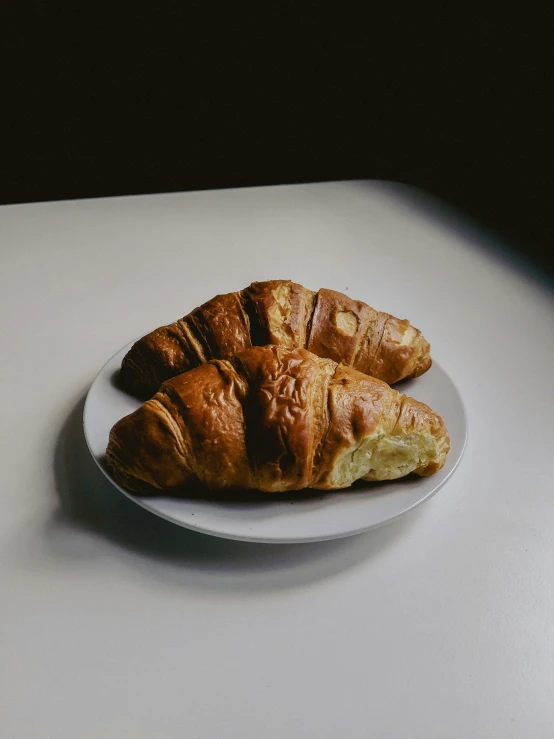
117	624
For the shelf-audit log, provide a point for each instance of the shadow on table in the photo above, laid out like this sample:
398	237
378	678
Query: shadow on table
90	503
531	261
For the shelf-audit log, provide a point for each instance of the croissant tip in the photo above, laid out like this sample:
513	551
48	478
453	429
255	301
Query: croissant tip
133	379
423	366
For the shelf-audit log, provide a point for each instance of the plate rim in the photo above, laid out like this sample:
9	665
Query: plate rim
206	530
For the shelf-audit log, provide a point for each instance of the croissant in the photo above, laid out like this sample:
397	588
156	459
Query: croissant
273	419
282	313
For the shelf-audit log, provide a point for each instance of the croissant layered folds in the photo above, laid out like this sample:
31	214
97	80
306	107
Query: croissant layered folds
273	419
285	314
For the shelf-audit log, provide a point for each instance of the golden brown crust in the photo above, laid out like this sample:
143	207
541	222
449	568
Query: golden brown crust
223	326
273	419
146	450
154	358
283	414
338	324
218	328
193	424
401	351
283	313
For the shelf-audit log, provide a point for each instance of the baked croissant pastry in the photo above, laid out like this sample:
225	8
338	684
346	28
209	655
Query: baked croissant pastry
273	419
283	313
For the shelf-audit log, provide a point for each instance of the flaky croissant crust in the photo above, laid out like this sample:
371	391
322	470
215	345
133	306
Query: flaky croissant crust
285	314
274	419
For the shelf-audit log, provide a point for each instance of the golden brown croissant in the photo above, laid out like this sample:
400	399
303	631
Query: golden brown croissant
274	419
283	313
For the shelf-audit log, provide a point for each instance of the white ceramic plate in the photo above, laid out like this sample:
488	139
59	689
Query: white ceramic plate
300	517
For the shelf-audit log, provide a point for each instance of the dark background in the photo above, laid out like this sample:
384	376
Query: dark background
107	100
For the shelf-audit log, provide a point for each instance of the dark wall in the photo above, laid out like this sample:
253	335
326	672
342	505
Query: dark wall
177	96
